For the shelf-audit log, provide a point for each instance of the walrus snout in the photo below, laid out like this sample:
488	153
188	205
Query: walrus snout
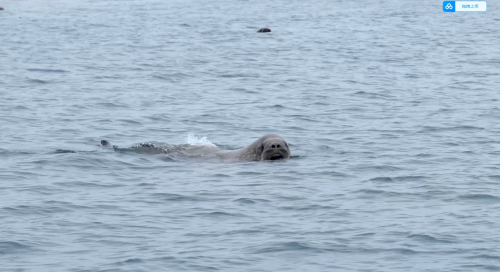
275	149
275	146
276	156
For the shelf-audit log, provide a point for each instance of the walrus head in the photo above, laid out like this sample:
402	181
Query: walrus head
272	147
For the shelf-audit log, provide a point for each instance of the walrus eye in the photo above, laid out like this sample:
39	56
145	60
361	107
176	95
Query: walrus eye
261	148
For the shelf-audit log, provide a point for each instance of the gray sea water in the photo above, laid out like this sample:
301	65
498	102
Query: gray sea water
391	109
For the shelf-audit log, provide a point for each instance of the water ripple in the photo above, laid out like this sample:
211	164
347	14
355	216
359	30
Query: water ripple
392	115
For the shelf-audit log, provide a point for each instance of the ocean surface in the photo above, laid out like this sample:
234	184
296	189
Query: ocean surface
391	109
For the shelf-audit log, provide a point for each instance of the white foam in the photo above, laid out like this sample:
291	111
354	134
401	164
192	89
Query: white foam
199	141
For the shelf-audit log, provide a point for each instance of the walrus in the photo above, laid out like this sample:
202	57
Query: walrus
269	147
1	8
265	29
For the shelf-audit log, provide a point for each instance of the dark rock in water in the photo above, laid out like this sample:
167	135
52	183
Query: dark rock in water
105	143
265	29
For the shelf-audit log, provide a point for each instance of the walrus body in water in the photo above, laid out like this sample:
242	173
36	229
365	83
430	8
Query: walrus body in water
269	147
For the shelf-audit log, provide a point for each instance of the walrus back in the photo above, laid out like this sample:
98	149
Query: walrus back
242	154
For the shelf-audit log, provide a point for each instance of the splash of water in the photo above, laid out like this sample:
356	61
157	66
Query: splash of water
199	141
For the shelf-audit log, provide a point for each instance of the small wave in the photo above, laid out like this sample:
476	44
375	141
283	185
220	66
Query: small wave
174	77
133	261
370	95
47	70
220	215
32	80
250	200
382	193
426	129
238	75
40	189
381	179
244	231
425	238
15	152
221	176
110	105
494	177
199	141
130	122
89	184
485	257
20	107
481	198
169	158
10	247
40	210
245	201
325	147
396	179
290	246
476	267
174	197
313	207
59	151
249	173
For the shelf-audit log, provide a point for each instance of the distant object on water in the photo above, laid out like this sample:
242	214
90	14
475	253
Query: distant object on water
1	8
265	29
